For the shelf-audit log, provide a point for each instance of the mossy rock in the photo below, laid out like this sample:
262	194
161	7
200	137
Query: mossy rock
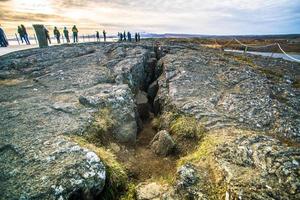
187	127
101	127
117	179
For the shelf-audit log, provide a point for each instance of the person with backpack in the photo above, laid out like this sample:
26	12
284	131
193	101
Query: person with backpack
25	35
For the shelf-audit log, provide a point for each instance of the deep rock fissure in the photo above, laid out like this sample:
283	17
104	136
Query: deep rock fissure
140	162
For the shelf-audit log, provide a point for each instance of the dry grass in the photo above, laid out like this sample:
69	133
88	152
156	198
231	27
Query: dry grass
10	82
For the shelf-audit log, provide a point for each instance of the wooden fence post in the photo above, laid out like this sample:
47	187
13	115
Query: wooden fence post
35	39
17	38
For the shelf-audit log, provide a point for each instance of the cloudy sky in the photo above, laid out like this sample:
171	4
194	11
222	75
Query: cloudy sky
157	16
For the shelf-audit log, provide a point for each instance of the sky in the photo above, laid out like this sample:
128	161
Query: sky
217	17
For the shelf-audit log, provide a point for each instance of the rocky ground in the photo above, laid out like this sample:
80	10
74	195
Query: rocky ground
77	123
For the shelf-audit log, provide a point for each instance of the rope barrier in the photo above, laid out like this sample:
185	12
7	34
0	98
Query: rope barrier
228	43
268	45
295	59
255	46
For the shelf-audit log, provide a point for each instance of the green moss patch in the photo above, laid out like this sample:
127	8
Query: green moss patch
101	128
296	84
179	125
205	149
244	59
187	127
131	192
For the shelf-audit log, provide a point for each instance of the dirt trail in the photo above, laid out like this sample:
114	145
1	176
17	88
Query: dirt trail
141	163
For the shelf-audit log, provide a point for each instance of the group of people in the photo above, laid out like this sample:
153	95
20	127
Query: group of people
65	32
98	36
57	35
3	39
23	34
125	37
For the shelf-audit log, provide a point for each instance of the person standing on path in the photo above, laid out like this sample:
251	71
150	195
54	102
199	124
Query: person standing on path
136	37
57	34
3	39
129	36
75	33
21	34
25	34
124	36
47	35
98	36
121	37
66	34
104	35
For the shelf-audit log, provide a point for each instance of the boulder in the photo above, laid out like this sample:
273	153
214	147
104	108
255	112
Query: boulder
162	144
47	174
119	99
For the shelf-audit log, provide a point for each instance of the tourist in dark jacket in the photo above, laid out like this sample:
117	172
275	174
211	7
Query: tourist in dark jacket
121	37
66	34
98	36
21	34
129	36
75	34
104	35
57	34
24	32
3	39
124	36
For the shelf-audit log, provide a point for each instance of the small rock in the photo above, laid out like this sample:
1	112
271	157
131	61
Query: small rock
149	191
162	143
187	175
114	147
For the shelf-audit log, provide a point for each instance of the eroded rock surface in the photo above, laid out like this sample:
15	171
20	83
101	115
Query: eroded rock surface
50	94
223	90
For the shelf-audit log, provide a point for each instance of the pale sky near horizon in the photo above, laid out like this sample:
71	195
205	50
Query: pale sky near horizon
220	17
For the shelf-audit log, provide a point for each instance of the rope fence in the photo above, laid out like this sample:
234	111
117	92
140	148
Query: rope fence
259	47
291	57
